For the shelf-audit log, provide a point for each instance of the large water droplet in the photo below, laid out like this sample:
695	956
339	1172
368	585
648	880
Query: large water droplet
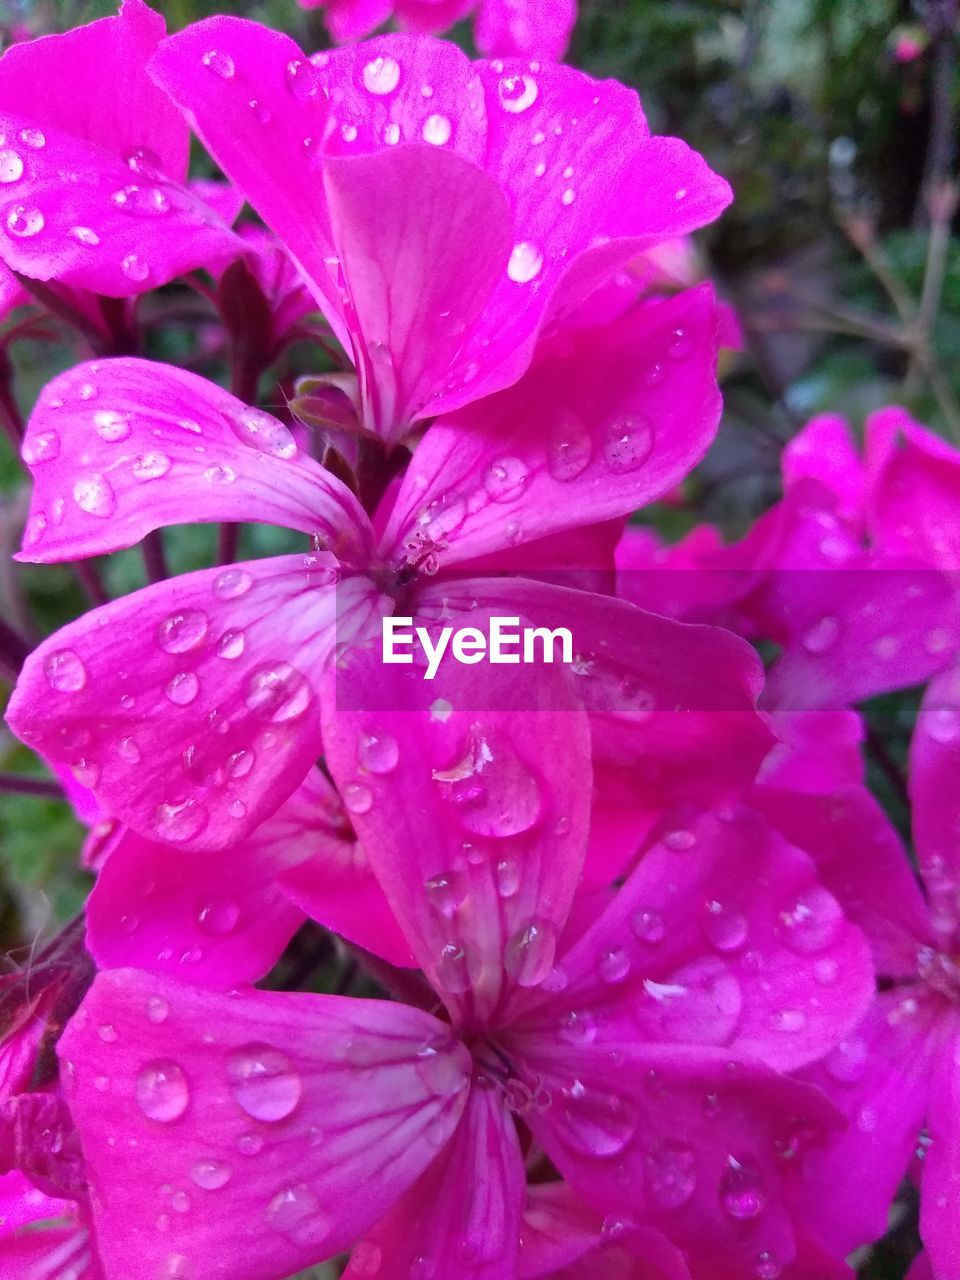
40	446
628	443
218	918
178	823
11	166
264	432
264	1082
848	1061
525	263
378	753
742	1191
446	892
578	1027
508	877
648	925
614	965
232	584
143	202
506	479
34	138
438	1067
85	235
517	93
437	130
162	1091
296	1213
183	688
181	632
455	968
670	1173
24	221
135	268
494	792
569	448
64	671
725	926
92	493
810	922
381	76
111	426
597	1123
529	955
211	1175
303	80
277	693
150	466
221	64
231	645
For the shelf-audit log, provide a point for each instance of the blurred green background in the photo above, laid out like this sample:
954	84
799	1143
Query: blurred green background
835	121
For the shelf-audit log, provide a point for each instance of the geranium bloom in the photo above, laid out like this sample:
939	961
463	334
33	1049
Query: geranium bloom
93	164
638	1049
843	573
504	28
446	215
212	716
60	1250
896	1076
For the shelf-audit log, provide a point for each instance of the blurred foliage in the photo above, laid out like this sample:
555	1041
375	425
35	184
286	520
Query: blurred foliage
824	136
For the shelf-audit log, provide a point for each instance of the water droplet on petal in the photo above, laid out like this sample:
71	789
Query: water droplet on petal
231	584
218	918
11	166
250	1144
295	1212
378	753
445	892
614	965
92	493
438	1066
742	1192
725	926
183	688
264	1082
437	130
135	268
648	925
569	448
768	1267
942	725
821	636
150	466
810	922
628	443
211	1175
529	954
848	1061
454	968
264	432
517	93
597	1123
508	877
128	751
303	80
162	1091
64	671
221	64
357	797
277	693
391	134
366	1259
34	138
506	479
181	632
178	823
670	1173
231	645
40	446
788	1020
111	426
493	791
525	263
24	221
381	76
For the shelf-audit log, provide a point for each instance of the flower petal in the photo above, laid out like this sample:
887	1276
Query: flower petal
934	754
248	1122
939	1226
477	845
463	1217
592	432
525	28
191	708
120	447
721	936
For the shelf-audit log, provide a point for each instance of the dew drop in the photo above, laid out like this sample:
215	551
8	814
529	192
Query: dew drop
134	268
811	922
445	892
742	1192
357	797
725	926
157	1009
111	426
506	479
221	64
295	1212
437	130
161	1091
33	138
821	636
128	751
303	80
493	791
181	632
788	1021
264	432
366	1259
391	134
378	753
64	671
231	645
218	918
614	965
569	448
597	1123
454	968
517	93
183	688
942	725
277	693
381	76
508	877
178	823
11	166
628	443
648	925
211	1175
529	955
24	221
264	1082
525	263
848	1061
232	584
39	447
150	466
92	493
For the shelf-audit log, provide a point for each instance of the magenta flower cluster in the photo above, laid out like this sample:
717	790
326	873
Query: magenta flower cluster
663	997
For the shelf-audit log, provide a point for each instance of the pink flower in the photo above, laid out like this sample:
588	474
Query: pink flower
641	1051
895	1076
227	664
504	28
125	221
55	1251
446	215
